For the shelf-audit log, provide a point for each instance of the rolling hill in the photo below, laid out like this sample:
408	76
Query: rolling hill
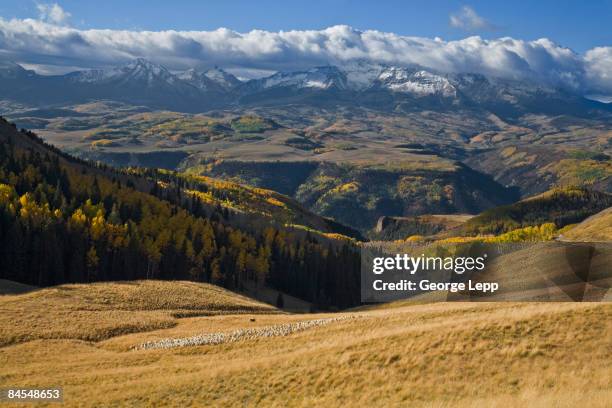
98	311
561	206
597	227
522	353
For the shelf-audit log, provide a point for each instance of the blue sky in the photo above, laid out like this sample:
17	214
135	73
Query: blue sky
580	25
565	43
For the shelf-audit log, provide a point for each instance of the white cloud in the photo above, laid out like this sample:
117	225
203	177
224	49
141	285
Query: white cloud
52	13
599	67
467	19
40	42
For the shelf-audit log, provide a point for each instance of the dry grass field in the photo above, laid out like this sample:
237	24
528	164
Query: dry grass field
83	338
597	227
99	311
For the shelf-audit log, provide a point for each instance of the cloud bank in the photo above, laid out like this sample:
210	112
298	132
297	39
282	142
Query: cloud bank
48	42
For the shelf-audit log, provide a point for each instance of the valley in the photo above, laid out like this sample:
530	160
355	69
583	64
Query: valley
353	143
353	165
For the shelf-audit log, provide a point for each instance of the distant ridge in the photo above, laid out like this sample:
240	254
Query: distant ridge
384	87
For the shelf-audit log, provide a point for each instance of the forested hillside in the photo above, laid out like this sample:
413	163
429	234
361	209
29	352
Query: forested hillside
64	220
561	206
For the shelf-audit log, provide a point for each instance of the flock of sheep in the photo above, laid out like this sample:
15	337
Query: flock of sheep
238	335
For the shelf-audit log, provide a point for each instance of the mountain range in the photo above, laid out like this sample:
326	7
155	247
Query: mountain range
359	83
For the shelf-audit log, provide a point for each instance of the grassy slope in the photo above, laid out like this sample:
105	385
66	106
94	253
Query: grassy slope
597	227
446	354
98	311
552	271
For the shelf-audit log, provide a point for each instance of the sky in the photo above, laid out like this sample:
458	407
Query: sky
568	42
580	25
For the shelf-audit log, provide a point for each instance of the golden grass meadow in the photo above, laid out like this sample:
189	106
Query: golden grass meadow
83	338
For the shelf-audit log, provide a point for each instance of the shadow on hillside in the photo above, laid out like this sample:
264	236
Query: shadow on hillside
270	296
8	287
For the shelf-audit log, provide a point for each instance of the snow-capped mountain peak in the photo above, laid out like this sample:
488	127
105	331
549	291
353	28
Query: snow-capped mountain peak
197	79
316	78
363	76
222	78
147	71
214	79
140	70
418	83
